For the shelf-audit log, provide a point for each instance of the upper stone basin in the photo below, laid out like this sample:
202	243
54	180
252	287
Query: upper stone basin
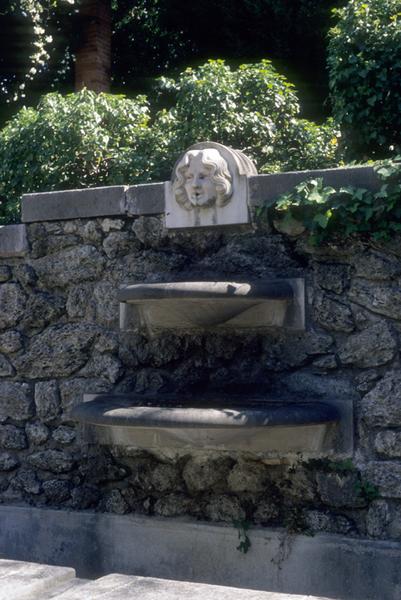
274	428
220	304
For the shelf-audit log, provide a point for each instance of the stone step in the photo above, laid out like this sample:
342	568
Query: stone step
21	580
73	584
127	587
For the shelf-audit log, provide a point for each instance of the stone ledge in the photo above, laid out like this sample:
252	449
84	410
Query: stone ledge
121	587
323	565
148	198
30	581
13	241
73	204
265	189
144	199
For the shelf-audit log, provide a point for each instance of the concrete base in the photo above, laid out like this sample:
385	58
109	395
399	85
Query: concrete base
97	544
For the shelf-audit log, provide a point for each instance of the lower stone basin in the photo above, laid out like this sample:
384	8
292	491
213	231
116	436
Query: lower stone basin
275	428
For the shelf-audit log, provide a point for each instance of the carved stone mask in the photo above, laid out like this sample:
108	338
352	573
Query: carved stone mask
202	179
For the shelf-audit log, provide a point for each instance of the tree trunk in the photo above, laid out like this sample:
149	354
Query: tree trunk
93	56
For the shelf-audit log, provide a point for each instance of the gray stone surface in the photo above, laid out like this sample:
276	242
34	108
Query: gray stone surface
376	265
73	204
145	199
333	315
47	400
12	438
16	401
59	351
10	342
12	304
248	477
388	444
116	587
377	519
379	297
340	490
8	462
204	472
376	345
13	241
382	405
31	581
323	565
81	263
386	476
55	461
37	433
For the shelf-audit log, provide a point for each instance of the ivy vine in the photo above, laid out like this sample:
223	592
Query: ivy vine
323	212
38	14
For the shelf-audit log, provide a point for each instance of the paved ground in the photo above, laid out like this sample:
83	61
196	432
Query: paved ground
31	581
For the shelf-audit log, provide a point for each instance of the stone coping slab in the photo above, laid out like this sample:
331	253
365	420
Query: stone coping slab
30	581
148	199
265	189
123	587
13	241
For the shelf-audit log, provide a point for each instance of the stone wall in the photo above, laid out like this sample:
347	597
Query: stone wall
59	338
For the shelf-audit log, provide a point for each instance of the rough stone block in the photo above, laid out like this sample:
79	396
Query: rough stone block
332	315
69	266
386	476
206	472
371	347
12	438
47	400
388	444
382	298
55	461
381	407
8	462
340	490
248	477
10	341
12	304
13	241
73	204
59	351
15	401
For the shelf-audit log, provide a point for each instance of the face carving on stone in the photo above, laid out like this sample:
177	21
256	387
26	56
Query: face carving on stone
202	179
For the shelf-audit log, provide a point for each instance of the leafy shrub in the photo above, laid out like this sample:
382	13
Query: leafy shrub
68	142
89	139
253	108
364	60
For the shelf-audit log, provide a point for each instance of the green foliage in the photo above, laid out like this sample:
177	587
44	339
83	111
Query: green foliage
75	141
326	212
330	466
89	139
364	60
367	490
252	108
245	543
294	521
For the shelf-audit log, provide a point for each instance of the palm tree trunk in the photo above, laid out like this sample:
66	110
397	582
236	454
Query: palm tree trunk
93	56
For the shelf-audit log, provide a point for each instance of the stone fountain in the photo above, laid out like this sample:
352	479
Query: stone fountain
209	189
